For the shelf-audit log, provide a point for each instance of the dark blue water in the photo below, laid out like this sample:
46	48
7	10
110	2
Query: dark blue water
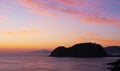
45	63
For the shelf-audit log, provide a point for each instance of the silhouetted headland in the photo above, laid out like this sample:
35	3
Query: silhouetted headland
80	50
113	50
115	66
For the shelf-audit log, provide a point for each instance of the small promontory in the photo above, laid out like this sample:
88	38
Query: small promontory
80	50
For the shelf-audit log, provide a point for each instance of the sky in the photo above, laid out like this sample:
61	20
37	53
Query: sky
46	24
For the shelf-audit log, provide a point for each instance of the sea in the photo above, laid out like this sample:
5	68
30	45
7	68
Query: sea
47	63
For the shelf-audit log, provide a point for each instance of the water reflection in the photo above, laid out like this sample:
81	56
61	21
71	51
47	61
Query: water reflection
45	63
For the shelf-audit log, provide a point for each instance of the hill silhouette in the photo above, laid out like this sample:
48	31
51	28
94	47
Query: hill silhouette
80	50
113	50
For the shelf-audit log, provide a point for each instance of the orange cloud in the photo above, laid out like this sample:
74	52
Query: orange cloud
9	33
42	13
100	20
109	42
96	38
24	32
29	3
32	31
73	12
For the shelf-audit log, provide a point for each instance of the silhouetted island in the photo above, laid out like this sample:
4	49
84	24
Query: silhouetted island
80	50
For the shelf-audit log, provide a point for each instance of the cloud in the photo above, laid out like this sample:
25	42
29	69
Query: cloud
42	13
28	31
29	3
92	34
103	41
24	32
109	42
86	11
100	20
9	33
69	2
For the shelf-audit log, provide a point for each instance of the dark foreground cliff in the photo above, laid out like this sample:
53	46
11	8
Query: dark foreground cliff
80	50
115	66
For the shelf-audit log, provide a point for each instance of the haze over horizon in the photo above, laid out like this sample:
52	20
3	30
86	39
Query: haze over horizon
45	24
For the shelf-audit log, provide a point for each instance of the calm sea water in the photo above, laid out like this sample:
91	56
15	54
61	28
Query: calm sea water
46	63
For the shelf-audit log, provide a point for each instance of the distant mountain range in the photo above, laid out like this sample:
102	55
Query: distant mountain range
114	50
39	52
